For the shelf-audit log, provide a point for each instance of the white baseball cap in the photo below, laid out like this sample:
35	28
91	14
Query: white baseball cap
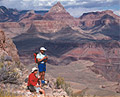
43	49
34	69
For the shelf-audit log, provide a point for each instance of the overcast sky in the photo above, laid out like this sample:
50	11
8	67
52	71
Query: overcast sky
75	7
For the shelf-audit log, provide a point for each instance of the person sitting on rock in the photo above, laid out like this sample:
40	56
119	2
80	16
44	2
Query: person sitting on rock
42	59
33	82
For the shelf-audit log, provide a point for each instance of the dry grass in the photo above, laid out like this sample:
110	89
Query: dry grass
6	94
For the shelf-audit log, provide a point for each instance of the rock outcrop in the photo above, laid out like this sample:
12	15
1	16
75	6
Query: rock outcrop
10	66
7	46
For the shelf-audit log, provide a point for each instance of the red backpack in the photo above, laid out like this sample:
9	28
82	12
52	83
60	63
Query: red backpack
35	55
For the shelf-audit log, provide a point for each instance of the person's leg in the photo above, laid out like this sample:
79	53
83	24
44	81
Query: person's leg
43	92
37	89
40	71
42	80
43	75
40	74
43	69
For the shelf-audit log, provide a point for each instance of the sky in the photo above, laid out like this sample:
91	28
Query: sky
75	7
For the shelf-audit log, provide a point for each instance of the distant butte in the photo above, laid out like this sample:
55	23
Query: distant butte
57	8
57	12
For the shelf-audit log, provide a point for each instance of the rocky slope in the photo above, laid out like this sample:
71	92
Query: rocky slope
13	74
10	66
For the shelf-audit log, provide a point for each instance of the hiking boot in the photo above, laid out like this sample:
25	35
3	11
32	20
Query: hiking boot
46	82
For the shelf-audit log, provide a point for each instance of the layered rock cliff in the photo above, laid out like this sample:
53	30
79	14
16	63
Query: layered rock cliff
93	19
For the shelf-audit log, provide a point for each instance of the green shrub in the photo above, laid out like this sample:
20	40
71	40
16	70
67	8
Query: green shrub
9	74
60	83
1	65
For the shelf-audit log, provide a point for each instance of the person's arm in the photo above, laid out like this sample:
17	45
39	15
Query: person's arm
40	83
46	59
40	60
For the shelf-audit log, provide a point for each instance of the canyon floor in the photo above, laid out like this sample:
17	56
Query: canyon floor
82	78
